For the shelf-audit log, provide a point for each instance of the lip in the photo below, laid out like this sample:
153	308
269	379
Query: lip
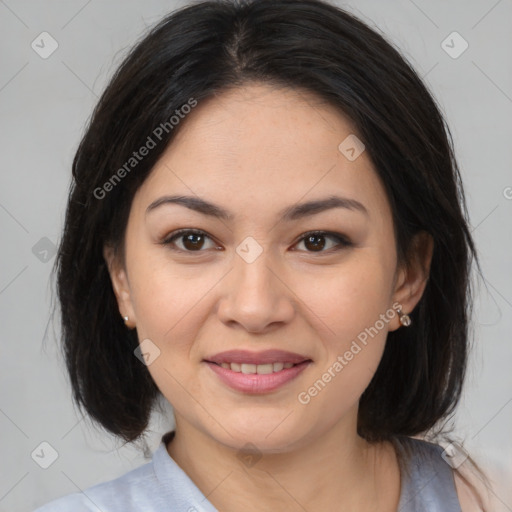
256	383
263	357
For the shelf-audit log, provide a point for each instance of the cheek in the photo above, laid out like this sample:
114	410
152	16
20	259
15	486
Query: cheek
348	299
352	313
170	311
167	297
172	304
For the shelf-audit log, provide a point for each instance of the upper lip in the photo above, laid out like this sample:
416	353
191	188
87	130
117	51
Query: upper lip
263	357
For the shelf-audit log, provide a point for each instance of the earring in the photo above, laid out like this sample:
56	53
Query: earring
125	318
405	320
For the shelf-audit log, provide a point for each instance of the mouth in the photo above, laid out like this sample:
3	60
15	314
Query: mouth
261	372
265	357
260	369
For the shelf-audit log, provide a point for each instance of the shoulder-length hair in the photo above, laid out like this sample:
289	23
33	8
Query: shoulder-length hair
310	45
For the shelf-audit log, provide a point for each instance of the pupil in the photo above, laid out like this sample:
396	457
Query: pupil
316	246
189	239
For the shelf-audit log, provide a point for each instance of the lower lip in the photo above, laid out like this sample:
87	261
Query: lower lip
254	382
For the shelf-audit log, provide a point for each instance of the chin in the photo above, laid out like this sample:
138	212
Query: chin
261	439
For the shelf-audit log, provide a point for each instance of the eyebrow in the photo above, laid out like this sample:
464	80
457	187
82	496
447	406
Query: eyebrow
289	213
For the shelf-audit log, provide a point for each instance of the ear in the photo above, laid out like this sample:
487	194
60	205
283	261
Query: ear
412	277
120	285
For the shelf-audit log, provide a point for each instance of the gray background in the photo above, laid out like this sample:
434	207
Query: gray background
44	105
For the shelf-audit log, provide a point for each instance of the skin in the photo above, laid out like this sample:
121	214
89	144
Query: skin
254	151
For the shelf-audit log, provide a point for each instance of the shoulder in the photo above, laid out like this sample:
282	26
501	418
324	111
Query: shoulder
427	482
432	473
136	486
472	492
155	486
74	501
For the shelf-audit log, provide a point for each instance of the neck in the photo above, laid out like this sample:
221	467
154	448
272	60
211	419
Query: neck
337	470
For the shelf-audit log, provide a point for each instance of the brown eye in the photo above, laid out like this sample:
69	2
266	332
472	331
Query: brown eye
316	241
191	240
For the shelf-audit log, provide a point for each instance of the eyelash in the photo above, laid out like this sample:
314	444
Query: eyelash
343	241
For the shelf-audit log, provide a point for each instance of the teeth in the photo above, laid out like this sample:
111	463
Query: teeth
260	369
248	368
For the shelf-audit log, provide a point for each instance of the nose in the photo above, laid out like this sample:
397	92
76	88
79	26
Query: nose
256	297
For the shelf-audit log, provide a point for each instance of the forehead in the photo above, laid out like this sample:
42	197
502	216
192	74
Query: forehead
262	147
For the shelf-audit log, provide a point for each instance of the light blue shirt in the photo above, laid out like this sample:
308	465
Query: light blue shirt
162	486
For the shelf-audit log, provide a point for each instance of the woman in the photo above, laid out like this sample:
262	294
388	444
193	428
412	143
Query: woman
267	228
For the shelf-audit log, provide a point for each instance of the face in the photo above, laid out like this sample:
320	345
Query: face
256	278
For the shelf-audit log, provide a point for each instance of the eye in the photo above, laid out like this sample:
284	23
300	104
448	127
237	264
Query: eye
315	240
193	240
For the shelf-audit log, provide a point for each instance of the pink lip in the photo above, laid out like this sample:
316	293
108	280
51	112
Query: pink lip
264	357
255	383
